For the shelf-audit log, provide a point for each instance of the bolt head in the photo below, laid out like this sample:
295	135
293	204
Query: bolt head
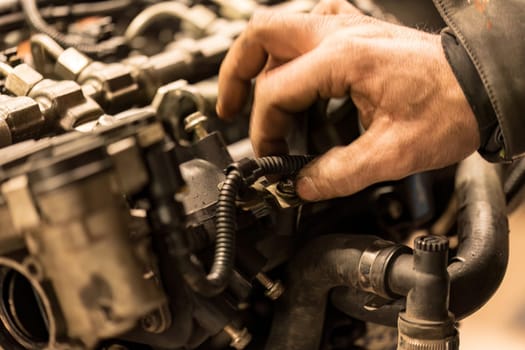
242	340
275	291
194	120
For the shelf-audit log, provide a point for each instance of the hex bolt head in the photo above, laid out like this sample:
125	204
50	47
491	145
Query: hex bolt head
274	289
196	122
151	323
286	188
240	338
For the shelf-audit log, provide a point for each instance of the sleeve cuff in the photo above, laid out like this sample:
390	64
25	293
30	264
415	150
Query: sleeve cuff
491	139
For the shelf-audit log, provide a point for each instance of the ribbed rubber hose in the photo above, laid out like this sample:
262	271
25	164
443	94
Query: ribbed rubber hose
282	165
226	223
226	226
35	20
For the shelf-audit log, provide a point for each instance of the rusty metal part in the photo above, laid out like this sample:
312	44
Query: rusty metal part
111	85
62	103
20	120
69	221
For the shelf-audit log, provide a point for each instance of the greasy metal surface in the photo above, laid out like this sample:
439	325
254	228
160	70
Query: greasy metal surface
113	224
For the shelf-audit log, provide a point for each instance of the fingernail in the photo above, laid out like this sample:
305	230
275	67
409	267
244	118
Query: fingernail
306	189
218	109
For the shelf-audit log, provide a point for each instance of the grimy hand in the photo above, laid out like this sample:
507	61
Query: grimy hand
415	114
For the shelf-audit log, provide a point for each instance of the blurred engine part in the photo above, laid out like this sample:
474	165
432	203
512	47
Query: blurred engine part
132	218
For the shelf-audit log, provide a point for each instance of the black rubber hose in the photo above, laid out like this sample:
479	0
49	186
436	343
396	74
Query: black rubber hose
481	260
514	186
324	263
226	223
483	250
282	165
35	20
335	261
226	226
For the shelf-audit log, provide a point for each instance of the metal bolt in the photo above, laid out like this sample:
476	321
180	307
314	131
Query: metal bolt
240	338
286	188
196	123
153	323
274	289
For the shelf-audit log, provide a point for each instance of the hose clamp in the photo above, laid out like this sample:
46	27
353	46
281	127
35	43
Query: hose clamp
374	265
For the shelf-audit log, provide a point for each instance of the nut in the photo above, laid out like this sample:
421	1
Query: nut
71	63
63	102
23	118
240	338
275	291
111	85
22	80
196	122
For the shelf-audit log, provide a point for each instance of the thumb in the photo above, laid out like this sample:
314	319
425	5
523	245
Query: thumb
378	155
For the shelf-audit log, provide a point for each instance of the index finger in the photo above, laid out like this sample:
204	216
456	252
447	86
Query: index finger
283	36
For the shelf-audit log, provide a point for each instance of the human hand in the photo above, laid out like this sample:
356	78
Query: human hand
414	111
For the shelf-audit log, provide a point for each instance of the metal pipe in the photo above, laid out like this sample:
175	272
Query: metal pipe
43	44
154	13
5	69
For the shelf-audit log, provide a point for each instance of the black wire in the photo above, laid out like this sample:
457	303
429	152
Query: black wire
226	226
15	19
225	218
277	165
35	20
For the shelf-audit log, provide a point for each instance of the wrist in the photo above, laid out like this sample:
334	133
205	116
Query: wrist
468	78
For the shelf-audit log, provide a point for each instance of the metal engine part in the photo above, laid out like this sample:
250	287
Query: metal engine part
132	218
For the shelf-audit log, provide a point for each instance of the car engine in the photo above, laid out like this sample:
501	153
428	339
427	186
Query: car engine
131	217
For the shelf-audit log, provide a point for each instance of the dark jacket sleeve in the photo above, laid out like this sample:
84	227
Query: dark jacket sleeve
492	34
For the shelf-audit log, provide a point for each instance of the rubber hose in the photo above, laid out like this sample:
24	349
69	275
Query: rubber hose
226	227
226	223
277	165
